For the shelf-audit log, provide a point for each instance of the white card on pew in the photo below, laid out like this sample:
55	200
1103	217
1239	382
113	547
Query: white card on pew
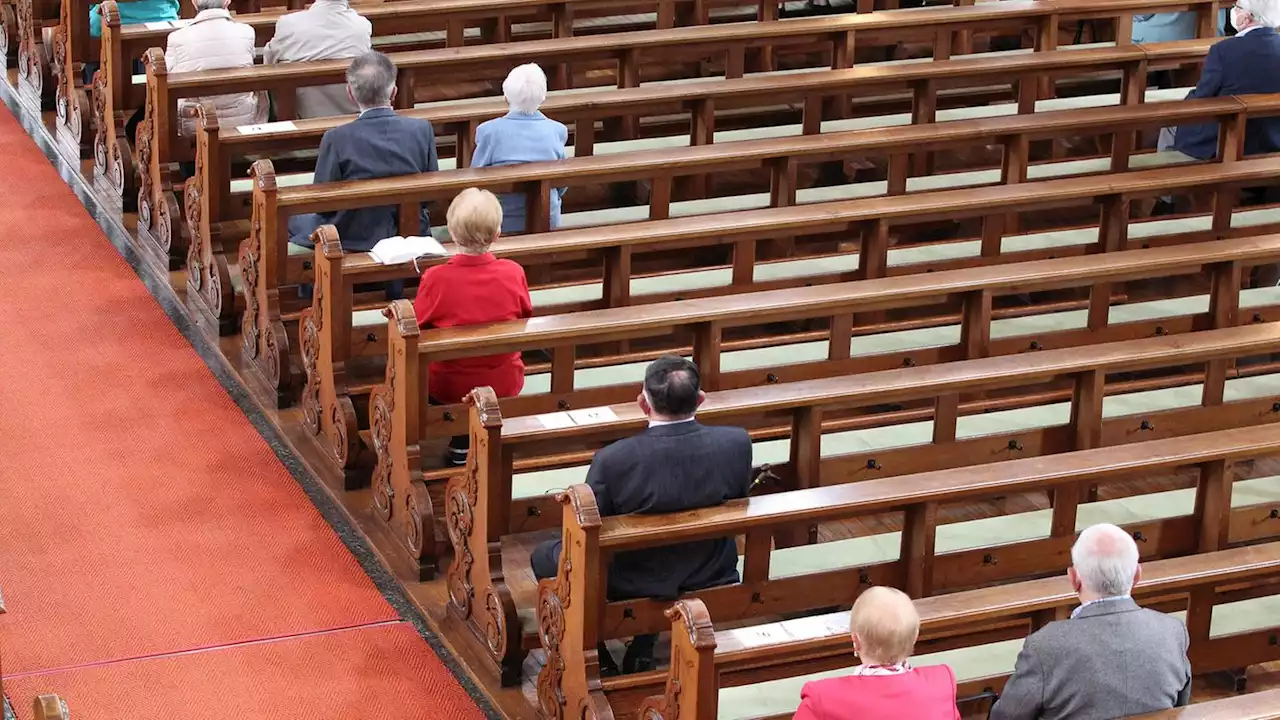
180	23
591	416
162	25
266	127
396	250
556	420
751	637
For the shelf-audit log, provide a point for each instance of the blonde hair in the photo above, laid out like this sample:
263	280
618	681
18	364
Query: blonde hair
475	219
886	625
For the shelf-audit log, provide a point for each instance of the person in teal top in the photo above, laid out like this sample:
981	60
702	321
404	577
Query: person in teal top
132	13
1165	27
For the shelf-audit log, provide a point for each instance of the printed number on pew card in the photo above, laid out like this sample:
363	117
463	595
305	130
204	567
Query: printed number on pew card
590	416
267	127
556	420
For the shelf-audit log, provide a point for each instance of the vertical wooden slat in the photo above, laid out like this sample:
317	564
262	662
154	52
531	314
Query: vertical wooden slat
919	533
756	551
617	276
975	327
1224	308
946	414
841	338
706	354
562	362
1213	505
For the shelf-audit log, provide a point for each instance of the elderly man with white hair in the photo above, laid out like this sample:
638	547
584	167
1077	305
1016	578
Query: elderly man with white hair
1111	658
1242	65
215	41
523	135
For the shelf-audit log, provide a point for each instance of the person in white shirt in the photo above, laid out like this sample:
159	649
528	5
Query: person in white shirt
214	41
328	30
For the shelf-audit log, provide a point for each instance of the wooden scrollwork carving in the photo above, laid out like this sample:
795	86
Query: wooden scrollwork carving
382	407
250	249
8	34
309	336
693	643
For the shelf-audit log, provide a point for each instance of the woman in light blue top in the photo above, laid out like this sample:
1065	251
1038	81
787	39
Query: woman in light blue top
1166	27
523	135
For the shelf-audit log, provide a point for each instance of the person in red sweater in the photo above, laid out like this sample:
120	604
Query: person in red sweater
884	625
473	288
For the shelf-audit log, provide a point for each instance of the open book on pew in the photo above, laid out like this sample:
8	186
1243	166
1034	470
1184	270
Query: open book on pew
398	249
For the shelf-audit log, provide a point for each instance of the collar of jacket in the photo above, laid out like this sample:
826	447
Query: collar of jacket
674	429
1109	607
377	112
214	14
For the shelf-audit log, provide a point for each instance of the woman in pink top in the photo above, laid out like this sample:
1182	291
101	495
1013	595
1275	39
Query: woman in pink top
884	625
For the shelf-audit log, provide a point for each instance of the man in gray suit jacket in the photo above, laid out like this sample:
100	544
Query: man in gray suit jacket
377	144
676	464
1112	658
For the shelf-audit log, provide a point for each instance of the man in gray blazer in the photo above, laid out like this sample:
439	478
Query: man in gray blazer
1112	658
377	144
676	464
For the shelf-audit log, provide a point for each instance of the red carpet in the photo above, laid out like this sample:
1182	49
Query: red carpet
380	672
141	514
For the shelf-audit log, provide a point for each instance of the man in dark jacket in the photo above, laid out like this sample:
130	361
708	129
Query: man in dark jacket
676	464
1246	64
377	144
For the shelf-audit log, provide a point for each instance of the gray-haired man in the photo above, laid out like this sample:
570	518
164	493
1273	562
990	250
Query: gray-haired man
377	144
1112	658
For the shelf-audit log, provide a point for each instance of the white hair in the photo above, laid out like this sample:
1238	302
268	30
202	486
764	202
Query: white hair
1106	560
1264	12
525	88
210	4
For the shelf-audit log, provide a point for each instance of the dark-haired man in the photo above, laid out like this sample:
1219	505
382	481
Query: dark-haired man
676	464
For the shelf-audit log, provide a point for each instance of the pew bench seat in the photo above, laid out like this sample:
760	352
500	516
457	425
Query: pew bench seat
781	697
758	200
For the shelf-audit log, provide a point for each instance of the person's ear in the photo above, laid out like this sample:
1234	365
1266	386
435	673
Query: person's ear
644	405
352	95
1074	577
1137	575
857	645
392	99
702	397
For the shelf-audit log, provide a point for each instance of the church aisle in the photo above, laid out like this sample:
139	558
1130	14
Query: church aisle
145	568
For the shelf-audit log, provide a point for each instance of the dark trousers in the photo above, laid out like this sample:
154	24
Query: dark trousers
545	561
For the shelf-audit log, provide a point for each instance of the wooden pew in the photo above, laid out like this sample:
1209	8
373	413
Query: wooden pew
9	36
574	601
211	210
339	354
72	48
870	221
159	209
122	46
1262	705
1198	584
481	509
35	82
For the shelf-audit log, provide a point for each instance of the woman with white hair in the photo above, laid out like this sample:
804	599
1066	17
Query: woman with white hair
214	41
523	135
884	626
